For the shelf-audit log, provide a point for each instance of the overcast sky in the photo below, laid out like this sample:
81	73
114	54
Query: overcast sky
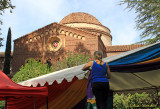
30	15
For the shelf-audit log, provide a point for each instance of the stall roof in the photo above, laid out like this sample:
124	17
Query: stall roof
9	88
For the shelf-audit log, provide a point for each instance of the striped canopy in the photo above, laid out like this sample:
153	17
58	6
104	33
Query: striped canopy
135	69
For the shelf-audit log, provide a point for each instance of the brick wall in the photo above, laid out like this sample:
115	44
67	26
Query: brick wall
35	44
101	47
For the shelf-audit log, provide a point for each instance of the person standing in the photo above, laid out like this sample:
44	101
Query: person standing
100	75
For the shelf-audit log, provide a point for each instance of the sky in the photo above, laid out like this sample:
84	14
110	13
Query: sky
30	15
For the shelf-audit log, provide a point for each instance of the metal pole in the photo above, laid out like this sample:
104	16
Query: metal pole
47	101
6	103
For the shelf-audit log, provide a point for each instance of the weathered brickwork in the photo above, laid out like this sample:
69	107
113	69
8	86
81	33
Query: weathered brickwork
35	44
101	47
79	18
117	49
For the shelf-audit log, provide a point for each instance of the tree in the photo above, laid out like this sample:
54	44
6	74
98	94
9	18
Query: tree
148	18
4	4
6	68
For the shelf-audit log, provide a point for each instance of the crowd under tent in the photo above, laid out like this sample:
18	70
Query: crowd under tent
135	69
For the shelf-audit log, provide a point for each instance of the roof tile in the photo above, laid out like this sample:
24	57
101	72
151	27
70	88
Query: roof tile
123	47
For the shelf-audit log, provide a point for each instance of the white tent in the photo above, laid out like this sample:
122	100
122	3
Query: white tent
119	81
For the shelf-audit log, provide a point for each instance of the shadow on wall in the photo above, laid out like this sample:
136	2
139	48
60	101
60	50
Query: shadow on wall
80	47
55	55
33	45
22	52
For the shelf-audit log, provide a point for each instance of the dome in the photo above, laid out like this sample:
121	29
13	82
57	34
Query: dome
80	17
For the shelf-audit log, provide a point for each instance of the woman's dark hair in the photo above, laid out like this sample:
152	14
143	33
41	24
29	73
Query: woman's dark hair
98	55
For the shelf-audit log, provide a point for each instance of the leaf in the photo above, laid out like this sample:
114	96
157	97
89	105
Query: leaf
148	18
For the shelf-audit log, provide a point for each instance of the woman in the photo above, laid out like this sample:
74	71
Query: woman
100	82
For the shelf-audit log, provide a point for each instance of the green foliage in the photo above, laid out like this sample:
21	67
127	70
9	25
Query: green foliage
119	102
130	101
148	18
31	69
35	68
4	4
7	61
71	59
1	39
2	103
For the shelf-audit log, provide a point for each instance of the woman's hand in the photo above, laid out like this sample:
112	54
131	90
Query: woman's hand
86	67
90	68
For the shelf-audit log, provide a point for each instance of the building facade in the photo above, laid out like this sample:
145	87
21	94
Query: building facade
77	31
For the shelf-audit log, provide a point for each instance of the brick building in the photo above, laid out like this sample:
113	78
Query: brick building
75	31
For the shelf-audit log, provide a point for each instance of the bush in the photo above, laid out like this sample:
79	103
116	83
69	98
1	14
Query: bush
2	104
35	68
132	101
31	69
71	59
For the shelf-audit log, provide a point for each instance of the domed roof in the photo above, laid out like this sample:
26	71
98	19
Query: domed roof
80	17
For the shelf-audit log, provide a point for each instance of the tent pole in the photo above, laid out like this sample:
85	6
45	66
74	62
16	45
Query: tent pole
34	104
6	103
47	101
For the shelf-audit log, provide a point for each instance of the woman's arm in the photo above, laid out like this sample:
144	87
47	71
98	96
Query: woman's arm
86	67
108	71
